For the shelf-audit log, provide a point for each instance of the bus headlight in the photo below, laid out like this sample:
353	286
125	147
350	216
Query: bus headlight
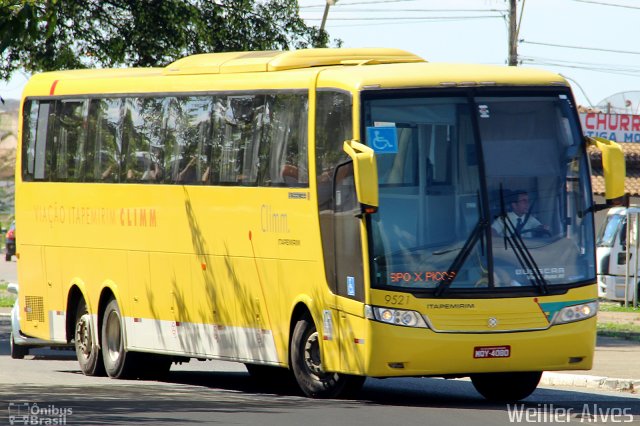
576	313
395	316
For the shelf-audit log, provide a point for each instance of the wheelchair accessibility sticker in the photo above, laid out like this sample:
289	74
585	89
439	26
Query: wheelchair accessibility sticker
383	140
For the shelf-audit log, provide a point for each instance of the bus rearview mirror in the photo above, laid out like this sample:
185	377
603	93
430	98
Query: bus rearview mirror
365	173
613	169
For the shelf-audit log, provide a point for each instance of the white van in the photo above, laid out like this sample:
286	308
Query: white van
616	275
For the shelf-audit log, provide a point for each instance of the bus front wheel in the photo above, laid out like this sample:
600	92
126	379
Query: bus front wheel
118	363
17	351
307	366
506	386
87	350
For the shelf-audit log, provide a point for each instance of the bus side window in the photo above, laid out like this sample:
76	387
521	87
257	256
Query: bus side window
35	134
288	134
188	137
31	125
142	131
238	118
217	136
253	140
105	139
69	141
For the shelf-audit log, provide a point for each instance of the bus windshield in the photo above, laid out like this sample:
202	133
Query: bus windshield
478	193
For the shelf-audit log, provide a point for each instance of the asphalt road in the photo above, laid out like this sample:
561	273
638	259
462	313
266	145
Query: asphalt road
47	387
8	270
50	385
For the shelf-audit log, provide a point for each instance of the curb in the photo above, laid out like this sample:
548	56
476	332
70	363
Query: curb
590	382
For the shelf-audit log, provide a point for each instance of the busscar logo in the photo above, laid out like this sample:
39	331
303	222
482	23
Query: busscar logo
547	273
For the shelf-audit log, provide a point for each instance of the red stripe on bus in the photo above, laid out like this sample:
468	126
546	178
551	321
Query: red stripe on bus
53	88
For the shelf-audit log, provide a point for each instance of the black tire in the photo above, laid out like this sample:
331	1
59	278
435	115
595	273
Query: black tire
118	363
276	378
307	366
87	351
505	387
17	351
152	366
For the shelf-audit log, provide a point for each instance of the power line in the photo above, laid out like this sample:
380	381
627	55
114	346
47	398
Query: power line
580	87
604	71
607	4
426	18
417	21
628	52
603	68
361	2
339	10
587	64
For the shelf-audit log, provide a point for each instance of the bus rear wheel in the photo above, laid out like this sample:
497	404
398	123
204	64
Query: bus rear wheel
506	386
118	363
87	351
307	366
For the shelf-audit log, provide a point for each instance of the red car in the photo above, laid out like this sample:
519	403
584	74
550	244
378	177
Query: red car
10	242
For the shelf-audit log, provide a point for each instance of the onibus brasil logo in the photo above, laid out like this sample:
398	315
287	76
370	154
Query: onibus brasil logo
31	413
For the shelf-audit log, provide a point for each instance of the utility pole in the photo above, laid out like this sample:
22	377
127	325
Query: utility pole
328	4
513	35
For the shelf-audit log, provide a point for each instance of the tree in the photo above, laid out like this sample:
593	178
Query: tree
45	35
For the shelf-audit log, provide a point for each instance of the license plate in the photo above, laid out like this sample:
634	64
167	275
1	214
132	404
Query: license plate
492	352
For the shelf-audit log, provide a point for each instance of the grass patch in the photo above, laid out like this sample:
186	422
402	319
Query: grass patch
6	298
7	301
615	307
620	331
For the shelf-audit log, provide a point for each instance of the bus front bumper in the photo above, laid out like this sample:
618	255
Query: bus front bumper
403	351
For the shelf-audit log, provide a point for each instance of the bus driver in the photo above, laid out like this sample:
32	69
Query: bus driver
524	223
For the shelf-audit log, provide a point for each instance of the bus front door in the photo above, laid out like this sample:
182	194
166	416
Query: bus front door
349	270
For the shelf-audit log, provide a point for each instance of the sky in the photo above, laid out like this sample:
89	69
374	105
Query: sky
594	43
475	31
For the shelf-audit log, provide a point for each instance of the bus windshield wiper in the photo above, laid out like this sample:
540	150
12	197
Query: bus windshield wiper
524	256
462	256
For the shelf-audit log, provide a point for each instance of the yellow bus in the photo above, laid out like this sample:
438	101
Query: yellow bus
322	214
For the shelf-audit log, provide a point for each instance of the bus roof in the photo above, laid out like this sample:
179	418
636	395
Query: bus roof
233	62
436	75
350	69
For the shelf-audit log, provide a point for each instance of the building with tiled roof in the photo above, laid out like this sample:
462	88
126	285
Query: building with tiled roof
631	183
632	160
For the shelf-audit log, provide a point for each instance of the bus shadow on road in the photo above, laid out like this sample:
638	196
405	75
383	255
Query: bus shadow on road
419	392
186	394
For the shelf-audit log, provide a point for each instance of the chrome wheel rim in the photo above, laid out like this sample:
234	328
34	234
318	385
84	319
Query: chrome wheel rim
313	361
113	336
84	341
312	354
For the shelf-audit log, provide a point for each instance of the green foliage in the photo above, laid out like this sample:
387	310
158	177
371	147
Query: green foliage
45	35
6	298
616	307
620	331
